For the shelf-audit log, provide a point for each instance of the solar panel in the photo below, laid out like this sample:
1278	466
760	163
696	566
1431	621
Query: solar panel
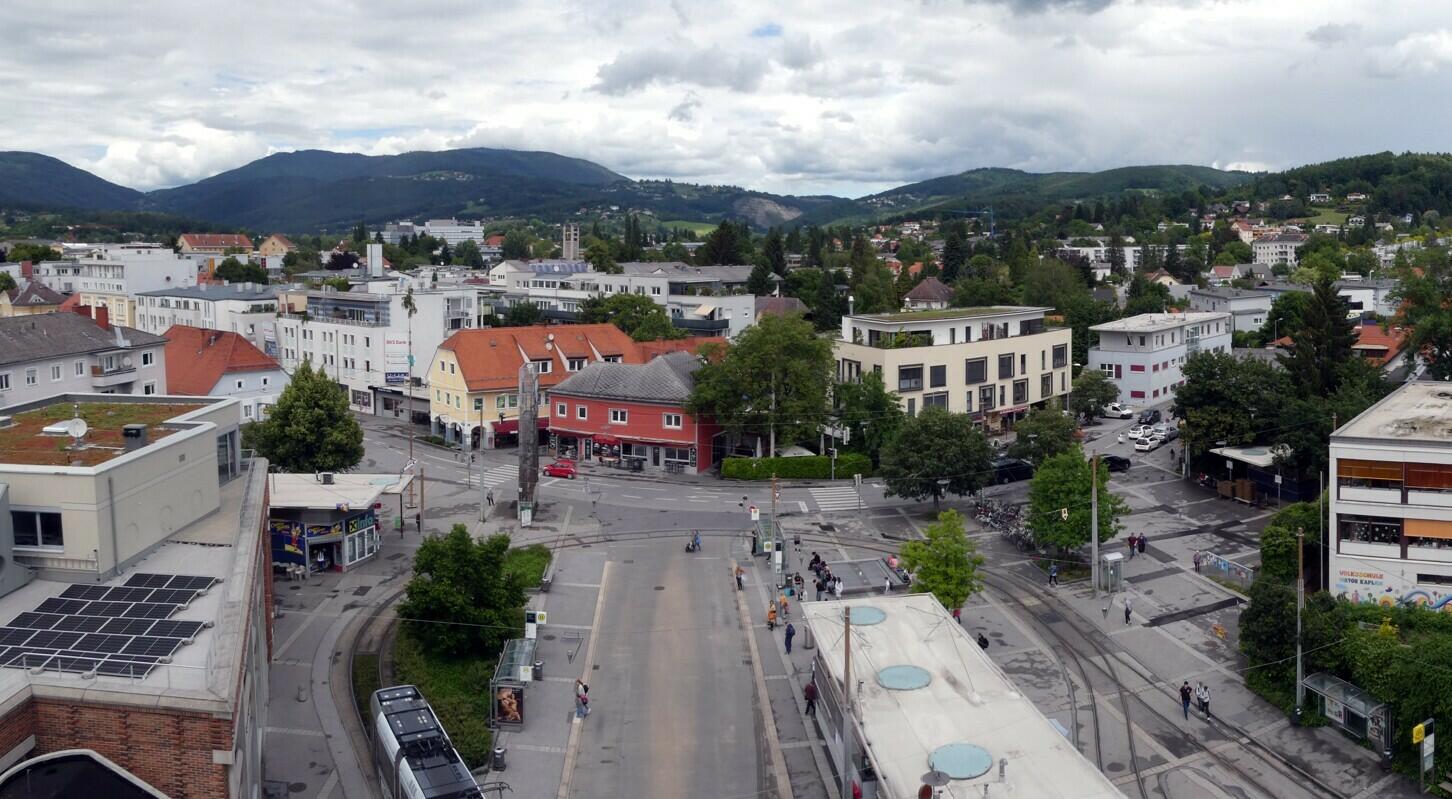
23	657
174	596
191	583
58	605
36	621
125	594
84	592
53	639
109	609
74	662
14	636
102	643
81	624
150	580
127	626
171	629
149	610
151	646
135	668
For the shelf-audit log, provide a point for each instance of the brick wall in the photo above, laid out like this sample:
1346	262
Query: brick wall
172	751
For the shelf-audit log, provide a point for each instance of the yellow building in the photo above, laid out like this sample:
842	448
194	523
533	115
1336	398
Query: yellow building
122	307
33	299
276	244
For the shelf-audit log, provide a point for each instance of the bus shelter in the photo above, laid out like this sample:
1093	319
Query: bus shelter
1352	709
506	688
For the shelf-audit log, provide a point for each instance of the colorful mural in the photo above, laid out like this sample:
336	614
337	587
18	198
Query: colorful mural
1369	586
287	541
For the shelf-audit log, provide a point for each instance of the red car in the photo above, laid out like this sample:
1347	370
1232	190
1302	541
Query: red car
561	468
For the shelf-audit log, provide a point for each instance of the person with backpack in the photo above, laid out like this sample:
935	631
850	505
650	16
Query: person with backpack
1185	699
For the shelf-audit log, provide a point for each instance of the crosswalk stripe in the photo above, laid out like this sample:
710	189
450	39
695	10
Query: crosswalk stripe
495	476
836	498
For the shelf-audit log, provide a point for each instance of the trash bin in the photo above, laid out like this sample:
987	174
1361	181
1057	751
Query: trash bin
497	762
537	673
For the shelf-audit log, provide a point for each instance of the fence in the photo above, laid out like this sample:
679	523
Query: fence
1227	571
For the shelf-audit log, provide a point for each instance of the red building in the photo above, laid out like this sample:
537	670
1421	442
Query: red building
634	413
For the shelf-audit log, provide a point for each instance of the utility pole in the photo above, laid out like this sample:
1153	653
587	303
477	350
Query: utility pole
846	732
774	556
1300	602
1094	523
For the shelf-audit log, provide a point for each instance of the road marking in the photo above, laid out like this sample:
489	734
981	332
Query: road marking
553	750
773	743
295	731
632	496
328	785
803	506
572	748
835	498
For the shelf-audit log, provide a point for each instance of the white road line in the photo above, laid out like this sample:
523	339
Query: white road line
835	498
295	731
803	506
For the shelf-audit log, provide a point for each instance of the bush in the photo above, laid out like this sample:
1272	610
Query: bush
813	467
528	562
455	687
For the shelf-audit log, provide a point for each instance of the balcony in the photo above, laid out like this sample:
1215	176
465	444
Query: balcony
101	377
702	325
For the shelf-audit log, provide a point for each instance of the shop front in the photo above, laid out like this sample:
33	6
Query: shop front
323	542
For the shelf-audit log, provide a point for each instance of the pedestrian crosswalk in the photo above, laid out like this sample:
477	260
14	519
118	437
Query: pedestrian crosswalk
835	498
496	476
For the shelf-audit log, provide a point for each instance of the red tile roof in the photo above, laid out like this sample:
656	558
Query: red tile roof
1379	346
196	358
211	241
930	289
494	240
490	357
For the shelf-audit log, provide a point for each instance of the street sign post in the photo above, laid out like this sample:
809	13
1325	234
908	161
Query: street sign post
1426	735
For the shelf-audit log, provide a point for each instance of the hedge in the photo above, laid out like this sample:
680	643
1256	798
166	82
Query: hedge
815	467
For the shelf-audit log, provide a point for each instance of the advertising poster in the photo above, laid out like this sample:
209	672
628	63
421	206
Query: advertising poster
509	704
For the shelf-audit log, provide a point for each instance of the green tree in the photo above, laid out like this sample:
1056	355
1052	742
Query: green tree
234	271
955	256
522	314
1055	284
360	233
1423	308
1240	251
773	380
7	283
1286	315
655	328
632	313
1278	540
934	454
1145	296
461	600
1042	434
310	428
29	252
1228	399
598	254
723	246
870	412
773	251
516	245
946	562
1322	342
467	254
977	292
1063	482
759	281
1091	392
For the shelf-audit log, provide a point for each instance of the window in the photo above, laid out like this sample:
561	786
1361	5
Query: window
541	367
479	404
501	402
37	528
611	358
619	416
581	412
976	370
441	366
1020	392
240	384
671	420
561	410
1022	362
451	369
938	400
575	364
1107	369
267	380
148	358
1370	474
55	372
986	395
1061	356
1428	476
247	411
1429	533
1369	529
30	378
937	376
1005	366
910	378
1136	367
4	381
1046	385
912	408
1141	341
1136	395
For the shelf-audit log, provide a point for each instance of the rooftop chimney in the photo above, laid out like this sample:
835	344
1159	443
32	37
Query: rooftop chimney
375	260
103	317
133	436
27	270
83	310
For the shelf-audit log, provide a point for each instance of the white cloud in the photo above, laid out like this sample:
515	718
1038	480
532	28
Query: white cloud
828	95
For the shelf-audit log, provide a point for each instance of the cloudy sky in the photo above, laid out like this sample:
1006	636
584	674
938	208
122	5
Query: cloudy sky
825	96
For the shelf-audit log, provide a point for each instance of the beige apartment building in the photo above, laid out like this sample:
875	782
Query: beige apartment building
993	363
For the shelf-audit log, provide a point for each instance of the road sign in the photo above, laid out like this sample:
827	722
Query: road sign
1419	732
755	513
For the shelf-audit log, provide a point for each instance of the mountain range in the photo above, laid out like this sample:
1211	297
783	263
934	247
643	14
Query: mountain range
314	190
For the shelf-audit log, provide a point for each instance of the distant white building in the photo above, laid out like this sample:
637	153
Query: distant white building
58	353
1248	308
212	363
111	277
248	309
1279	248
455	232
1144	355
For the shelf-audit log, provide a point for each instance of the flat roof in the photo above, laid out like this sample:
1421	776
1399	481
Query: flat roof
1147	322
1420	411
948	313
23	443
307	491
967	699
231	291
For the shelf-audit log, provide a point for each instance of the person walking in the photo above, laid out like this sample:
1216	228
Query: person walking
1142	543
887	585
821	587
781	602
418	521
771	617
958	615
837	588
809	693
1131	542
489	497
1204	696
1053	574
1126	609
791	632
982	641
1185	699
1196	559
740	578
582	698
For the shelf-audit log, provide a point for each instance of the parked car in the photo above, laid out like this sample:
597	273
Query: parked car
1116	411
1151	416
1138	431
1168	432
1010	470
561	468
1148	443
1115	463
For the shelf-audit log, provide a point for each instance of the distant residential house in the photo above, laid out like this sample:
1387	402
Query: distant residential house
1383	348
781	306
215	363
1224	274
929	294
276	245
1356	221
1319	197
494	240
213	243
42	355
1162	278
1260	272
32	298
1356	197
1279	248
1248	309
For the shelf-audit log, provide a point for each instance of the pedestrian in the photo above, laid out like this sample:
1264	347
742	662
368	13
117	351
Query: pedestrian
1143	541
1126	609
982	641
1204	696
1131	543
837	588
791	633
740	577
785	610
582	698
809	692
418	521
1197	561
820	588
887	585
892	562
489	497
958	615
1185	699
771	617
1053	574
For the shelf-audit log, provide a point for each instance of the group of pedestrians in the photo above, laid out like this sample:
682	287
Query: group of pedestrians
582	699
1201	695
825	581
1137	543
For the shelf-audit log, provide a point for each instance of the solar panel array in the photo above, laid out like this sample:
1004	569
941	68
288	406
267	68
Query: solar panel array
114	631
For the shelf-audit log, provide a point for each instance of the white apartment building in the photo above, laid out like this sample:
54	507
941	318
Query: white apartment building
994	363
247	309
45	354
455	232
361	339
1248	308
1391	500
111	277
1144	355
1370	296
1279	248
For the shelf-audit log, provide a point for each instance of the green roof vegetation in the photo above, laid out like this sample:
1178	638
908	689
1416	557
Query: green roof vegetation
23	442
943	313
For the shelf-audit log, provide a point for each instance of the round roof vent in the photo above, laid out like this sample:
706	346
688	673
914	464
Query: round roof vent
867	615
961	761
904	678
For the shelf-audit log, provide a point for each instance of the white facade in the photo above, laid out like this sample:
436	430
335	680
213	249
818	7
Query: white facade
455	232
1144	355
1370	296
120	366
1391	501
245	309
1248	309
255	390
1279	248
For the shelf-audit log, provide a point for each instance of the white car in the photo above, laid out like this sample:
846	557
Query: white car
1138	431
1148	443
1116	411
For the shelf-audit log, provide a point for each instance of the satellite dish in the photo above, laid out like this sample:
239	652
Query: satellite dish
77	428
126	361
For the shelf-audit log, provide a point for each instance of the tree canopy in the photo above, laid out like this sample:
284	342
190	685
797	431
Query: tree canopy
636	315
945	562
870	412
1422	297
934	454
234	271
1092	391
516	245
310	429
522	314
1045	432
461	600
1063	482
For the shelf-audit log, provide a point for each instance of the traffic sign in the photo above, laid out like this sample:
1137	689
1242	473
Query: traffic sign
755	513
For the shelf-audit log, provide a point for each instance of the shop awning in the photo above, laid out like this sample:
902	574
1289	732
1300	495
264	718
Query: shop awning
512	425
607	441
705	310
